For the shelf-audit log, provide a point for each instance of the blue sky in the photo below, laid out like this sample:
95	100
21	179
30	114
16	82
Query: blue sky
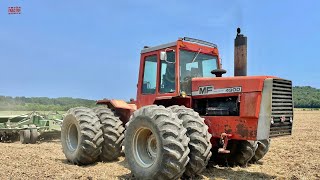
91	49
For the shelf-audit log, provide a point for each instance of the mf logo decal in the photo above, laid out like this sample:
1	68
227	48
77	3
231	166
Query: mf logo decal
205	90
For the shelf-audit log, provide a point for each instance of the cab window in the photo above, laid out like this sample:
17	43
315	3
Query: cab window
168	74
149	75
195	64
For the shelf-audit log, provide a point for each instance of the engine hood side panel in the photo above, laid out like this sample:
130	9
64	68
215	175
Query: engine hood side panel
214	87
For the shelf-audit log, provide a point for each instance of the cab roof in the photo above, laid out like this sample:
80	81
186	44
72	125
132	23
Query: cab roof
185	39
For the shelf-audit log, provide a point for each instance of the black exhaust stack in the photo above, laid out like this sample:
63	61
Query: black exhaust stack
240	54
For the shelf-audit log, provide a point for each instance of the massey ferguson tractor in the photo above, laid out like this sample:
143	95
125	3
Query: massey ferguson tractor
184	115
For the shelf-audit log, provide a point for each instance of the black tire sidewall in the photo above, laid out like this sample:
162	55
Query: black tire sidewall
139	122
69	120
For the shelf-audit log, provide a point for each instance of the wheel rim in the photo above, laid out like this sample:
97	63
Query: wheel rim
72	137
145	147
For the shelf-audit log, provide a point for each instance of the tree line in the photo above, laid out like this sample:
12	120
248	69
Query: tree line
306	97
303	96
8	103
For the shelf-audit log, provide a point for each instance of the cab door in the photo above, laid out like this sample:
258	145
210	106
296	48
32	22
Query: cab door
147	85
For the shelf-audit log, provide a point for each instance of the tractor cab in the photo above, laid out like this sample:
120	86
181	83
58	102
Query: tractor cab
166	71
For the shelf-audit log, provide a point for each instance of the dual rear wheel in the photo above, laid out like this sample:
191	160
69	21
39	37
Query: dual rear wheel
91	135
166	143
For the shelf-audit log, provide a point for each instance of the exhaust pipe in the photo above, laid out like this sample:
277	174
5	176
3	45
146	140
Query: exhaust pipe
240	54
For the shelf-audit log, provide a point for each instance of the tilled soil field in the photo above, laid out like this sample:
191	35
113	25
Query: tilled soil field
293	157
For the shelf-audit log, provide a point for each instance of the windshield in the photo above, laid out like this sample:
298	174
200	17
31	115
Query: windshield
195	64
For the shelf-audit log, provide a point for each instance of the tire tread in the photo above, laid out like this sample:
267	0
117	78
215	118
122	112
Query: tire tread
199	144
113	133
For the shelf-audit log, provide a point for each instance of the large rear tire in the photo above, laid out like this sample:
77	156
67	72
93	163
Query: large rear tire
156	144
199	145
262	149
113	134
81	136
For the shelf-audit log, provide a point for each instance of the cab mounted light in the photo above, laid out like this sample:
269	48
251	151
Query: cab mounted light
198	41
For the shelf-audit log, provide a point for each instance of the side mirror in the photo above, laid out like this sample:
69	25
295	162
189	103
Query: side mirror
163	55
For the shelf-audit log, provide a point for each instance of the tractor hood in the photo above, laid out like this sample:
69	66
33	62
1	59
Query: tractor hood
220	86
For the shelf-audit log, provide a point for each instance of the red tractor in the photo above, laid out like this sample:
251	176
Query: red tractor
185	114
